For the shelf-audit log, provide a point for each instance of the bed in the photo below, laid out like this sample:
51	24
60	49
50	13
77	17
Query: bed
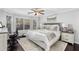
45	37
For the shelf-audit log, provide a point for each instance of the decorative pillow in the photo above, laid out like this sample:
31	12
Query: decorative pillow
54	28
46	27
51	27
51	36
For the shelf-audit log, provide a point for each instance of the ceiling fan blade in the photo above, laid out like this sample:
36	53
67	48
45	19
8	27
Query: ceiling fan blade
34	9
30	12
41	10
41	13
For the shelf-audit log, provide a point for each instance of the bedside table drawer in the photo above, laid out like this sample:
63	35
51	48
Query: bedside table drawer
68	37
65	39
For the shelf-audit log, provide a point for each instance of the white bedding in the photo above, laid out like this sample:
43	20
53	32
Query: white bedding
44	38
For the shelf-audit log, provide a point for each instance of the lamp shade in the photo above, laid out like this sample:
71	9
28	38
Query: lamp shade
0	25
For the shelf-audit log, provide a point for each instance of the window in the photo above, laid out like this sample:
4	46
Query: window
22	24
26	23
19	24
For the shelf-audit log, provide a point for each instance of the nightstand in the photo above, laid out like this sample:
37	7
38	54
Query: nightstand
67	37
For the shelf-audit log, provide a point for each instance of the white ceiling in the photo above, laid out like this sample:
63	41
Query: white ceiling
48	11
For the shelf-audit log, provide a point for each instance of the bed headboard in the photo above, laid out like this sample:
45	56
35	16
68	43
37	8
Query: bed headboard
52	25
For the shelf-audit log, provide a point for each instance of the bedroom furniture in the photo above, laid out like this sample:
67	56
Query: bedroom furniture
3	38
67	28
3	41
21	32
67	37
45	37
12	41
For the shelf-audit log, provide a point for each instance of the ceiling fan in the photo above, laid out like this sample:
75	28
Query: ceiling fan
37	11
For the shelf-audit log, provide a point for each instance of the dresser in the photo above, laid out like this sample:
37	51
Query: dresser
67	37
3	39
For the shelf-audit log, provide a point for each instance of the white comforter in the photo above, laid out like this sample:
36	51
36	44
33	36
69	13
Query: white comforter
43	38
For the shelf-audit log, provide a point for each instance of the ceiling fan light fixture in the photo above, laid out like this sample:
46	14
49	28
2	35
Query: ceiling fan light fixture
37	11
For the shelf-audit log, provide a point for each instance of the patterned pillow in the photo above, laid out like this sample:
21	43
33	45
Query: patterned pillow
51	27
46	27
54	28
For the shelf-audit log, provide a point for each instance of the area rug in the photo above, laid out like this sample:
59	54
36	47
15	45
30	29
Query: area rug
28	45
58	46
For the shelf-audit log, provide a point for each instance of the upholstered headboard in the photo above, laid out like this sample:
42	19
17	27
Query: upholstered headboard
52	26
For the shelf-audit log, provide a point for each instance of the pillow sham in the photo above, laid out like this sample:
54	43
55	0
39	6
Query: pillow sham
54	28
51	27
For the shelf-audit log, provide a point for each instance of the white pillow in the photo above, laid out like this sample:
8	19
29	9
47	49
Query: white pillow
54	27
46	27
51	27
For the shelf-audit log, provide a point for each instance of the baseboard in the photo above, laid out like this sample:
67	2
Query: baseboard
76	42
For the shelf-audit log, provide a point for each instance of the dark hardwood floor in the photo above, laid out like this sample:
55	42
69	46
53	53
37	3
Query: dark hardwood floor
69	47
17	48
76	47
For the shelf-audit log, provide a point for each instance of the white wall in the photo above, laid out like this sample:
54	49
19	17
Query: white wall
3	17
71	17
